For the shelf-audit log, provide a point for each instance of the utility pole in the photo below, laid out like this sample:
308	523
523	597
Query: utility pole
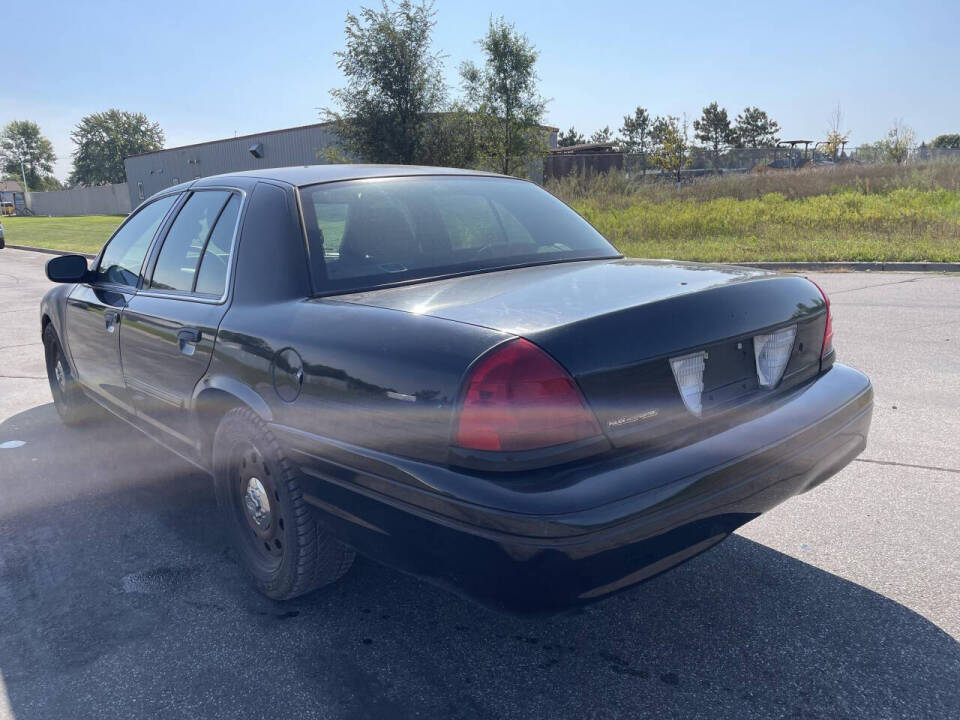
23	173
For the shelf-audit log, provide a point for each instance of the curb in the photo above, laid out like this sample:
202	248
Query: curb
48	251
853	266
857	266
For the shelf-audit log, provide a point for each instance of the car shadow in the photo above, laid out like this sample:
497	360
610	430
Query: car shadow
119	596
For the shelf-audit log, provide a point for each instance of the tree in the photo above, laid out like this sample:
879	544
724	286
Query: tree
503	94
394	83
26	153
570	138
951	140
104	139
713	128
836	138
635	131
672	153
753	128
635	135
658	131
451	138
899	140
603	136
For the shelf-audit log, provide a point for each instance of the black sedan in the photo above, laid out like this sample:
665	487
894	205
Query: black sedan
452	373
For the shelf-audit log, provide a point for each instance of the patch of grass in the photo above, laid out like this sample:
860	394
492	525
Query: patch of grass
85	234
884	213
852	212
901	225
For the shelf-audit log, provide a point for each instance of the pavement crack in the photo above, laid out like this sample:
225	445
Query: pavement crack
23	377
909	465
870	287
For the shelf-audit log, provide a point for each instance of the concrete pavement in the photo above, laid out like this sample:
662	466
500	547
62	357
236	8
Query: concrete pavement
119	596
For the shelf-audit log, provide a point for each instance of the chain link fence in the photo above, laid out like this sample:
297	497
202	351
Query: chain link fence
733	160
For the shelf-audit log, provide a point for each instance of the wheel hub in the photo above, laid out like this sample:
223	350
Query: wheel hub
58	371
256	502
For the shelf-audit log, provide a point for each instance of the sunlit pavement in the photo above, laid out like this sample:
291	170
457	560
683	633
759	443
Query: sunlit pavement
120	598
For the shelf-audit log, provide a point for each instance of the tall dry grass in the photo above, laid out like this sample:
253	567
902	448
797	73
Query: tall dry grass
617	190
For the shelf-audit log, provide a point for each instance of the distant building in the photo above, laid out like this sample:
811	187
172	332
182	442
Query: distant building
11	191
151	172
582	159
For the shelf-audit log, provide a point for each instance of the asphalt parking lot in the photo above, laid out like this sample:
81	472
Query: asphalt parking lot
120	598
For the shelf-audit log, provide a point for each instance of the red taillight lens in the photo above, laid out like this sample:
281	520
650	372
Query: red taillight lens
828	330
518	398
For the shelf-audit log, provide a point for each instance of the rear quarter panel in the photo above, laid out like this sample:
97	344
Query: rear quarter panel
382	379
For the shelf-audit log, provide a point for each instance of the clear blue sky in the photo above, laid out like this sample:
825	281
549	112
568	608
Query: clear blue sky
207	70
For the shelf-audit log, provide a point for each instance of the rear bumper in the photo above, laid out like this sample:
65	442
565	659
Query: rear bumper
530	544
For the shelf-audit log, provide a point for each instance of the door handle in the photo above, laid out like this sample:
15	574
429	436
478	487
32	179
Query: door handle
191	335
110	319
187	339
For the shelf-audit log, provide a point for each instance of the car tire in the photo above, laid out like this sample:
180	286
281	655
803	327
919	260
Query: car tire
72	405
280	544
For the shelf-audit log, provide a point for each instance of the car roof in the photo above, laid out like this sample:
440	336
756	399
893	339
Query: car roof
311	174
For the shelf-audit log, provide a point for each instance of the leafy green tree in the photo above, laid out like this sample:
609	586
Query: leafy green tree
713	129
24	151
394	83
104	139
951	140
504	96
602	136
452	138
570	138
753	128
899	140
672	153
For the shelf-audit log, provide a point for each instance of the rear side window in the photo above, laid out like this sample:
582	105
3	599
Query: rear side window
212	277
176	266
364	233
123	256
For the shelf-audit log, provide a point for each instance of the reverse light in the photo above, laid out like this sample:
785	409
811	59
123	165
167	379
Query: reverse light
772	351
688	372
519	398
827	346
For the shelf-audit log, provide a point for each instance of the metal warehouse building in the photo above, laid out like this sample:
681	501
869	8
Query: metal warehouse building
151	172
148	173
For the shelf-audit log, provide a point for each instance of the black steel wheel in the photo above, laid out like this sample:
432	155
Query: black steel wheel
280	544
72	405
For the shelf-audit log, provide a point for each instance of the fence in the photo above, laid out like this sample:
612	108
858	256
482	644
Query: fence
98	200
704	161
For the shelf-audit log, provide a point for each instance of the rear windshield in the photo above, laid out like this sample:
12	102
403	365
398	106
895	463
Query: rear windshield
365	233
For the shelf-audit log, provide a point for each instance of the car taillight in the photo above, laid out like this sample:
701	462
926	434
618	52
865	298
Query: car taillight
516	398
828	329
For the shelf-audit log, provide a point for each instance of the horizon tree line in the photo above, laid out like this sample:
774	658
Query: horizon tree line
396	108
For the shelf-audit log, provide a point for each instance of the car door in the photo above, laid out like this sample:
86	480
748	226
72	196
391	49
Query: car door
94	310
171	323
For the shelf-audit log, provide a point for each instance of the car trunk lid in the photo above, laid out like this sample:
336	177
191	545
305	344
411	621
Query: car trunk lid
615	325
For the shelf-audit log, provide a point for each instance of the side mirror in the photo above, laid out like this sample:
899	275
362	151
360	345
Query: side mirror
67	268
